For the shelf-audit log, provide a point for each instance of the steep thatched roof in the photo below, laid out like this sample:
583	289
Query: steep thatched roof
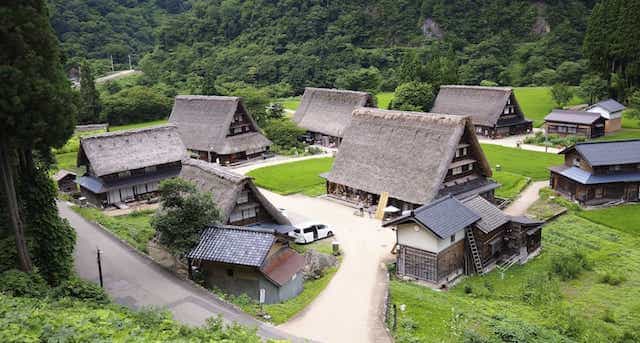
120	151
328	111
483	104
404	153
203	123
225	185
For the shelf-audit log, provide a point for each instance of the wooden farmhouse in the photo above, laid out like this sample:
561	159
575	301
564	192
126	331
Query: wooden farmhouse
326	113
597	173
412	157
66	181
574	123
495	112
126	166
257	262
218	129
447	238
611	111
239	200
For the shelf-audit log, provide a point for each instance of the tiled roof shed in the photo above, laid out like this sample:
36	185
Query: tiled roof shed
572	117
491	216
234	245
608	153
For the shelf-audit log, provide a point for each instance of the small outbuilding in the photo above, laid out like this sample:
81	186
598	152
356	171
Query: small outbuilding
218	129
239	200
66	181
574	123
495	111
326	113
257	262
611	111
125	166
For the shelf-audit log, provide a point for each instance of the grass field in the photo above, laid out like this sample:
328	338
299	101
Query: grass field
630	123
530	306
134	228
291	103
68	161
138	125
384	99
625	218
536	102
511	184
527	163
295	177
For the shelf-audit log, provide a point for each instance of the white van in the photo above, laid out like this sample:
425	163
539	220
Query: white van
310	232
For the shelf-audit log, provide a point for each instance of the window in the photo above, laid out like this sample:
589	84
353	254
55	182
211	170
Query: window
461	152
309	229
124	174
572	130
599	192
244	197
453	238
562	129
456	171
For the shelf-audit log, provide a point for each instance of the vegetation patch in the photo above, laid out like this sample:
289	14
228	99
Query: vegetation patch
294	177
511	184
133	228
531	303
625	218
553	140
547	206
532	164
138	125
621	134
536	102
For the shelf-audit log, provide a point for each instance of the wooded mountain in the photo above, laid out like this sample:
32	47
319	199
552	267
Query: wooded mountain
196	46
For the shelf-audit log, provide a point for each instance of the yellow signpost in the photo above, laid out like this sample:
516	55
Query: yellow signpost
382	204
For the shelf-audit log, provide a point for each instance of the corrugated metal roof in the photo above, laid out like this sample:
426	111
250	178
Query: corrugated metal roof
281	267
445	216
586	178
610	153
491	216
574	117
234	245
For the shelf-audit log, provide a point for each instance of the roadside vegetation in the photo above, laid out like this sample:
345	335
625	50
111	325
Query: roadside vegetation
511	184
583	287
625	218
133	228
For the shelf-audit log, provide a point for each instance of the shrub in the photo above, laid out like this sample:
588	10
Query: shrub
540	289
20	284
284	133
413	96
569	265
81	289
612	278
468	289
134	105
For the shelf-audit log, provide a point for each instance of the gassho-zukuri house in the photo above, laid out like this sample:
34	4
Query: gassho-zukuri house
239	200
447	238
254	261
495	112
218	129
411	157
596	173
126	166
326	113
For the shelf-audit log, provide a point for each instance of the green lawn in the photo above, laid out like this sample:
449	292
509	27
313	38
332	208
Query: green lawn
138	125
291	103
536	102
323	246
622	134
511	184
625	218
295	177
68	161
527	163
630	123
384	99
134	228
527	306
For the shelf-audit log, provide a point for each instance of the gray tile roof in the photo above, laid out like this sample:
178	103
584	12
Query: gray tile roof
609	105
444	217
491	216
608	153
573	117
586	178
234	245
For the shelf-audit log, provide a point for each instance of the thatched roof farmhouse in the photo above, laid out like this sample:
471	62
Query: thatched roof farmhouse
494	110
415	157
239	200
127	165
218	128
326	113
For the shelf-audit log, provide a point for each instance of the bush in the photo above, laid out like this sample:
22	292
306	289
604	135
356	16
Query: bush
554	140
134	105
612	278
569	265
413	96
540	289
284	133
81	289
20	284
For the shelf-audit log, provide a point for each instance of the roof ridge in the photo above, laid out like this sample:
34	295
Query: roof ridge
241	228
218	170
510	89
336	90
130	131
208	97
418	116
605	142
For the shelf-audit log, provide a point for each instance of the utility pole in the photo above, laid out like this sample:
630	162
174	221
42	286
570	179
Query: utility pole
98	252
112	69
130	67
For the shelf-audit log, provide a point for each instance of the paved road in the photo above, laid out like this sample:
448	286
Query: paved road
117	75
135	281
351	307
512	142
530	194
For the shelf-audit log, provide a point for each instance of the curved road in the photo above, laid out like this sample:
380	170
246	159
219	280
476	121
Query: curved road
135	281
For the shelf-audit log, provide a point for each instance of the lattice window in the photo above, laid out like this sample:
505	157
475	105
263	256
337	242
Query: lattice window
418	263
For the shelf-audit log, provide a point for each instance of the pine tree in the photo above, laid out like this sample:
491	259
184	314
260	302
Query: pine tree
91	105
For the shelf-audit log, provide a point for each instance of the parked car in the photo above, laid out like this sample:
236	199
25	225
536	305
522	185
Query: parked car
310	232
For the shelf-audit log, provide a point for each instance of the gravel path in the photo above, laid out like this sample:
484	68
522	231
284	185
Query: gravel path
520	206
512	142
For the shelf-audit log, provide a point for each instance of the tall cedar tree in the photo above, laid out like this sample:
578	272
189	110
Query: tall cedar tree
90	110
36	111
